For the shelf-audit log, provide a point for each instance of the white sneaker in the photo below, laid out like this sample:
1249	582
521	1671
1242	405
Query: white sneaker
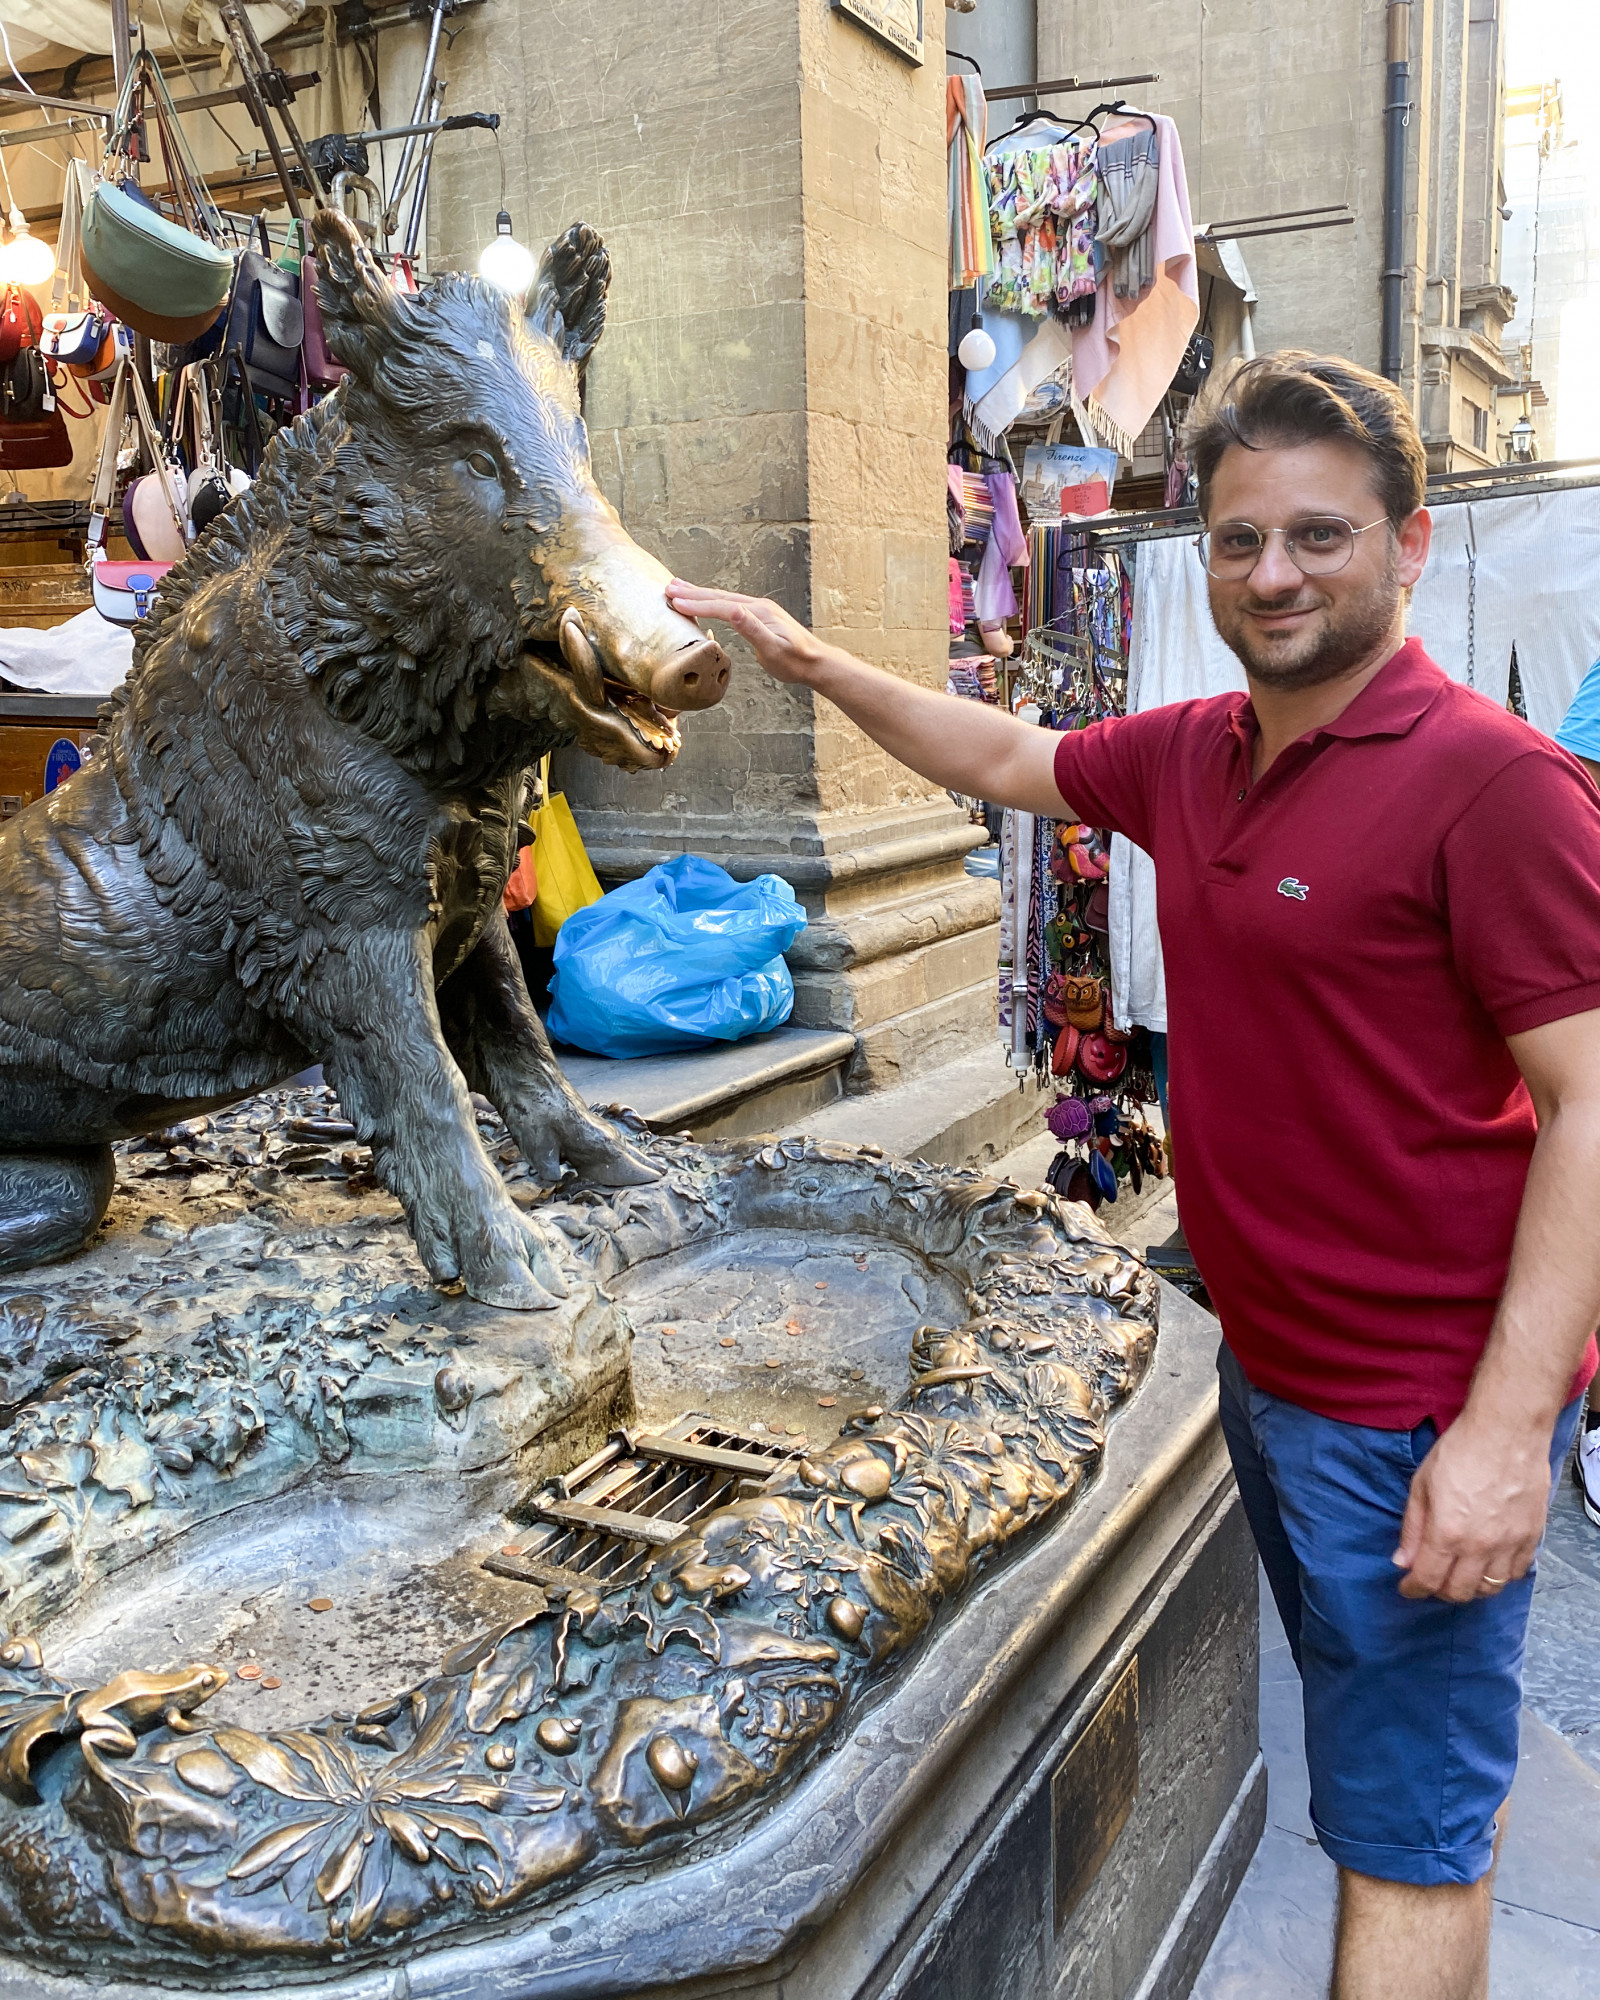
1586	1472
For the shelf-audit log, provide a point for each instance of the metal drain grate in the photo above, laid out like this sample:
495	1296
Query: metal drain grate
601	1523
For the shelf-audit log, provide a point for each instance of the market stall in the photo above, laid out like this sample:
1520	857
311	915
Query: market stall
158	314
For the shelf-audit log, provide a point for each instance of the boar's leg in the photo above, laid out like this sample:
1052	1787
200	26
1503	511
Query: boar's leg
500	1043
372	1014
50	1203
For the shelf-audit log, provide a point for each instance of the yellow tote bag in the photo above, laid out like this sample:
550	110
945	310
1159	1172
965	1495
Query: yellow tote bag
566	881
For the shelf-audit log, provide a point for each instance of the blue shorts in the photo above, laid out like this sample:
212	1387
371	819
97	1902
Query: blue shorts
1412	1706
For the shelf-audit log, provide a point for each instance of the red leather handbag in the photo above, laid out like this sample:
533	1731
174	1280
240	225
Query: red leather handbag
1100	1059
31	447
21	322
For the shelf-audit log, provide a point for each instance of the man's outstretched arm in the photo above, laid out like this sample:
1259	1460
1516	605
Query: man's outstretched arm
1478	1500
965	746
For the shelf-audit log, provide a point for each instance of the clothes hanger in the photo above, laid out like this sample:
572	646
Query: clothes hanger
1123	109
957	56
1029	118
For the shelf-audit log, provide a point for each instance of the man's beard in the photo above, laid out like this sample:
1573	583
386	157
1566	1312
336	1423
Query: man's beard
1347	633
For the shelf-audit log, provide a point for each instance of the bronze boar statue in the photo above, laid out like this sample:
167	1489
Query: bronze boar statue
295	847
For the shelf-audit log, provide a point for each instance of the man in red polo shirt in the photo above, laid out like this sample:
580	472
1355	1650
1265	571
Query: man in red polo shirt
1380	914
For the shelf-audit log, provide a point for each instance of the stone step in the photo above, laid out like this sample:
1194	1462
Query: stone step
728	1092
968	1112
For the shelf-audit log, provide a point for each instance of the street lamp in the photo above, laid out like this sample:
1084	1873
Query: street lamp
1522	445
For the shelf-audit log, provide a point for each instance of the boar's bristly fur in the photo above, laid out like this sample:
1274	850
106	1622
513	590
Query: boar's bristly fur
295	845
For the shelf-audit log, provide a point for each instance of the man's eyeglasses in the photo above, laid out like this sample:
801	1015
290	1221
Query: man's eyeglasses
1320	545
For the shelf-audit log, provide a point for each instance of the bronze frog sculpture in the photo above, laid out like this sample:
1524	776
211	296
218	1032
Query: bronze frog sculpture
295	846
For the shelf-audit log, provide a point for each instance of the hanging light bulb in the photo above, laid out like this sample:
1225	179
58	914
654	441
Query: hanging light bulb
505	263
25	260
977	347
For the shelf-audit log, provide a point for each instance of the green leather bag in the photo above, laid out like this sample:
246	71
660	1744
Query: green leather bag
162	279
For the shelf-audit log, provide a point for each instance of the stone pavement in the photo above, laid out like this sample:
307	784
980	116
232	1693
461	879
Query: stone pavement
1274	1942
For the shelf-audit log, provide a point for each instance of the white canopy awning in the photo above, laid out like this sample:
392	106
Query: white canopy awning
37	29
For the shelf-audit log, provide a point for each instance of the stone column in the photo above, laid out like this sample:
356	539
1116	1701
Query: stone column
768	410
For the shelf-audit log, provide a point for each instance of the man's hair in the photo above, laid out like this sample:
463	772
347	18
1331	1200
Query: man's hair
1293	397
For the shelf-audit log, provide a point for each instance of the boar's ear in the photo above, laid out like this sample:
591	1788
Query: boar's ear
568	303
362	315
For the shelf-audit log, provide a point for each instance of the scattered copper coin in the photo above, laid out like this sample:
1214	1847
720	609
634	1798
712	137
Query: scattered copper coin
858	1374
822	1284
826	1402
793	1326
271	1681
511	1549
250	1671
774	1363
727	1340
319	1604
669	1329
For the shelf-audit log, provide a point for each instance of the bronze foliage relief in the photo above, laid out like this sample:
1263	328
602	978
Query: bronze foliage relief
601	1727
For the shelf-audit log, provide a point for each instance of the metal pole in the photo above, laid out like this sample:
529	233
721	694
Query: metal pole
121	40
419	199
418	111
1396	111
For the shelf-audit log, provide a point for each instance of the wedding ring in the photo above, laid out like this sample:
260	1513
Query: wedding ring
1499	1582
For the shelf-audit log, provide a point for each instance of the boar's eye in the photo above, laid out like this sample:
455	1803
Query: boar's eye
482	464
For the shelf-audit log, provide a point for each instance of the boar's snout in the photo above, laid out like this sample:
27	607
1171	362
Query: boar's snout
696	677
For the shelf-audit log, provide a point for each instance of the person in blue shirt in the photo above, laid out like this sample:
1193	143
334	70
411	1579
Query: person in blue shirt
1580	728
1580	733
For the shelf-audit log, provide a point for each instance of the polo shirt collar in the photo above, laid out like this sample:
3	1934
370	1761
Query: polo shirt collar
1391	703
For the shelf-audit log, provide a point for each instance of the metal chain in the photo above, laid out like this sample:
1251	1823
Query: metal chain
1472	604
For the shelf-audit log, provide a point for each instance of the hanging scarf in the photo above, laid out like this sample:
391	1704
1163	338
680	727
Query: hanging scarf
966	125
1130	172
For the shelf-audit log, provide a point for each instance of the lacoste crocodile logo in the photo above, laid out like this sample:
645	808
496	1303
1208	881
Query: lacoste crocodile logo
1290	887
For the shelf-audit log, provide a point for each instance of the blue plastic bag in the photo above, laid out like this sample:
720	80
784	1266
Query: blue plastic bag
682	957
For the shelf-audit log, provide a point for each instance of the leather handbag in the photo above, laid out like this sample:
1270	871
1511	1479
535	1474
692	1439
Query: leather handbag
1083	1001
164	280
266	323
1062	1057
168	280
25	393
123	590
101	372
322	370
33	447
154	532
1053	1004
1100	1059
74	339
21	322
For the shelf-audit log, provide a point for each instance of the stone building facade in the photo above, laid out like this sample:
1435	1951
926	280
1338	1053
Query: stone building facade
768	409
1281	109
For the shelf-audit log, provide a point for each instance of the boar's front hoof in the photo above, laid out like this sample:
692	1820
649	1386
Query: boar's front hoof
502	1259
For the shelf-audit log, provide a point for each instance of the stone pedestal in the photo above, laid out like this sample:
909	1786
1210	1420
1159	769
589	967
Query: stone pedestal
768	410
1060	1796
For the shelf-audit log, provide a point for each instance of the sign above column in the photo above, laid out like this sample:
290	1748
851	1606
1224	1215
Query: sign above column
897	22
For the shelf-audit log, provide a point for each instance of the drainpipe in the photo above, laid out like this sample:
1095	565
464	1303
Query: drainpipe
1395	112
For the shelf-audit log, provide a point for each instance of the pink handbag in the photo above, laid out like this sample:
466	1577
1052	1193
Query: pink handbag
322	370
